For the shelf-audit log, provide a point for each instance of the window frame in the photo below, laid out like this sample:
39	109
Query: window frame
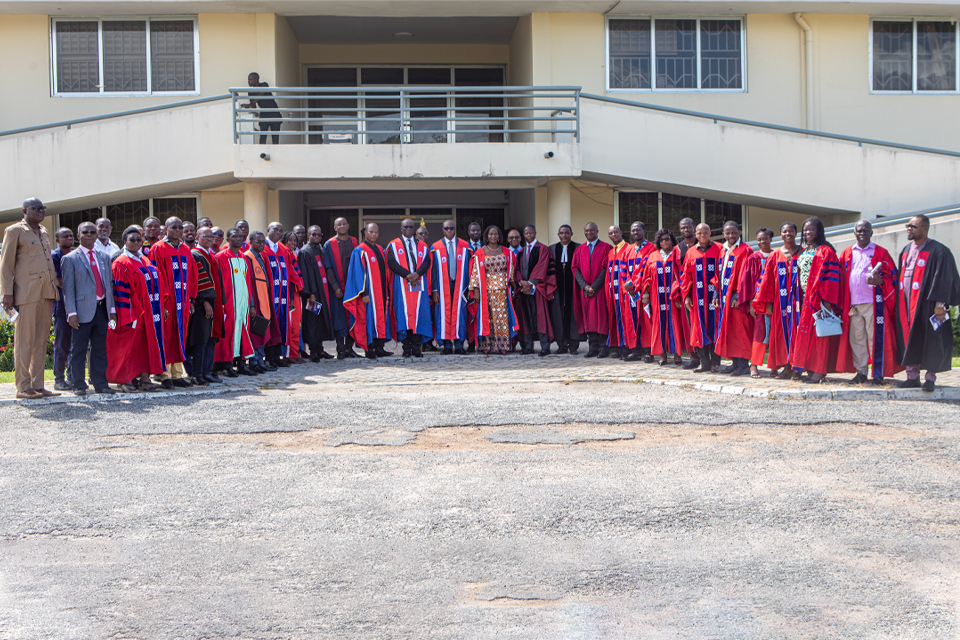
914	91
124	94
653	54
715	233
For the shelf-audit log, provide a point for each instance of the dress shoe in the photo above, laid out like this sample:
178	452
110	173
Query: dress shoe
315	357
879	382
406	353
460	352
633	356
592	353
324	355
76	392
149	386
371	355
604	352
61	386
416	353
447	351
562	350
383	353
351	353
167	384
929	385
199	381
182	383
727	370
574	352
740	371
230	372
29	394
910	384
341	354
472	348
429	346
858	379
269	367
526	352
253	366
648	359
212	378
106	390
691	364
544	352
46	393
244	370
280	363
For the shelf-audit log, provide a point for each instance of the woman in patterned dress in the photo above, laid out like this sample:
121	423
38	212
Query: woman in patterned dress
492	274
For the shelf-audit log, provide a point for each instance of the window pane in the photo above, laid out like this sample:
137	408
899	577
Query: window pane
676	208
486	111
72	220
676	53
892	56
125	214
171	52
479	77
183	208
125	56
720	55
639	207
629	54
716	214
428	76
936	56
390	76
332	77
78	67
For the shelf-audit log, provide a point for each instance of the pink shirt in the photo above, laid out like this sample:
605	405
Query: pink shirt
860	267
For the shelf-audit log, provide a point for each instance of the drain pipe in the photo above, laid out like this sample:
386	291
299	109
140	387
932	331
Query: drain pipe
810	122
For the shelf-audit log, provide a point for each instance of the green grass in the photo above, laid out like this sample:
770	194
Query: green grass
7	376
956	362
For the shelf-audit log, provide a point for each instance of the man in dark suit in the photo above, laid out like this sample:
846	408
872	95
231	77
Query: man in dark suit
561	311
88	301
537	286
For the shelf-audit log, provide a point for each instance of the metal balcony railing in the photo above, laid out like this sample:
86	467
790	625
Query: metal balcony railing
406	115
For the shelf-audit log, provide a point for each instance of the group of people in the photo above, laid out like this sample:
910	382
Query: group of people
180	304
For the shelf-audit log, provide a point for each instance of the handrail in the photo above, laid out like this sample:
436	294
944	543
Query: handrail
118	114
767	125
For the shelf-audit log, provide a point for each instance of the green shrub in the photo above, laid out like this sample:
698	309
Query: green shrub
6	347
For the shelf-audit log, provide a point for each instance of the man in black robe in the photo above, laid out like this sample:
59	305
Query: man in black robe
561	309
929	285
316	325
336	259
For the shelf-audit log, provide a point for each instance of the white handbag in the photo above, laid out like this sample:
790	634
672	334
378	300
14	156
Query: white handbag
827	323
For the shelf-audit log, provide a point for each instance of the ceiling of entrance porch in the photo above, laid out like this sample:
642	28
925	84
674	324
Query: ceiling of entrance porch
354	30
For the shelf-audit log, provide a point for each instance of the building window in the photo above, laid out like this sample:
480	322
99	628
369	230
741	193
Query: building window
665	211
675	54
913	56
124	57
124	214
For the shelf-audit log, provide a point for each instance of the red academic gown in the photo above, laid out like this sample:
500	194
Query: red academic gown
620	325
701	284
735	337
546	286
296	306
633	262
223	352
451	311
883	351
591	313
657	279
178	274
749	285
780	286
808	351
261	298
136	346
285	281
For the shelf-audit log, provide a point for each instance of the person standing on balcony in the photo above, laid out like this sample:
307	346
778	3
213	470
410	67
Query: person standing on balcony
104	243
537	285
561	310
269	109
451	279
633	263
929	285
589	268
178	274
409	260
619	319
28	283
699	290
734	324
61	330
367	295
336	257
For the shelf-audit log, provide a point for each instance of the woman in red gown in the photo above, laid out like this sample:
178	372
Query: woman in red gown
655	284
779	297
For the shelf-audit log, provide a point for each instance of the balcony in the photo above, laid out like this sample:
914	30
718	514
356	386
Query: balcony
518	136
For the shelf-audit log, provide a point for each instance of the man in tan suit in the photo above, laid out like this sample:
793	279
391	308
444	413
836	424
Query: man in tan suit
28	284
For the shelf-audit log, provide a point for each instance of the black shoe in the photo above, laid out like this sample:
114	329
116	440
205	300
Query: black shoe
929	385
212	379
472	348
562	350
604	352
592	353
371	355
740	371
574	352
910	384
429	346
281	363
324	355
167	384
199	381
448	351
648	359
690	364
526	352
879	382
106	390
244	370
351	353
182	383
727	370
341	354
230	372
79	392
858	379
544	352
406	353
253	366
633	356
383	353
416	353
269	367
460	352
315	357
62	386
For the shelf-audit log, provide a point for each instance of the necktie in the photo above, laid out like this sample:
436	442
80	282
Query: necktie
591	249
526	261
451	260
101	293
411	255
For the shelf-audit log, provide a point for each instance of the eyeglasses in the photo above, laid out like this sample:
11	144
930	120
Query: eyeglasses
134	239
175	226
913	226
449	228
88	233
219	235
409	226
316	235
40	208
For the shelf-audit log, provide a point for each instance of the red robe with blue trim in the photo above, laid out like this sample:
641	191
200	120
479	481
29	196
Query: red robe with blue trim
701	284
735	336
411	303
633	263
451	311
136	345
657	279
810	352
178	275
367	276
883	351
620	323
285	282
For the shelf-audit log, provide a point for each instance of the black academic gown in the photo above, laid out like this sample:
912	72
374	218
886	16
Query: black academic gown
315	327
561	308
920	344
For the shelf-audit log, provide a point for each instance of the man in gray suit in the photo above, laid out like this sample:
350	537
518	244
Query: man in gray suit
88	301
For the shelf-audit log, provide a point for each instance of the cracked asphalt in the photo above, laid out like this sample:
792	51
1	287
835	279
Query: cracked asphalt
503	510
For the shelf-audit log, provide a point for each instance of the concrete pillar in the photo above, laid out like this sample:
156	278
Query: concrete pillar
558	205
255	205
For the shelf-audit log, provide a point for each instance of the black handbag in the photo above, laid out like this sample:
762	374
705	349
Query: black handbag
259	326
